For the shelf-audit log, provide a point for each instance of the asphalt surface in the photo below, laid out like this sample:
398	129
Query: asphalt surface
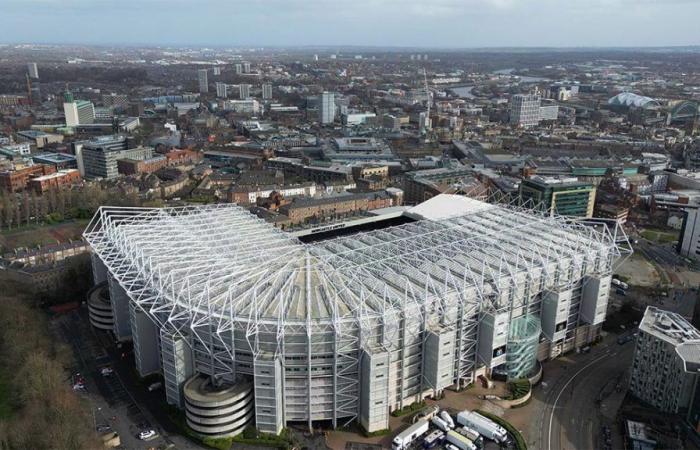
575	400
117	401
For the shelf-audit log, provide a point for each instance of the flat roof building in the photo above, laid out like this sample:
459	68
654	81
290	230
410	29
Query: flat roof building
560	196
666	361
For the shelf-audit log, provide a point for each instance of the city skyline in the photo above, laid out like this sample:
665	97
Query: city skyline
437	24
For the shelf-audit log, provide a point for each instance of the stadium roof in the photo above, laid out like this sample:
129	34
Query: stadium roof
629	99
221	261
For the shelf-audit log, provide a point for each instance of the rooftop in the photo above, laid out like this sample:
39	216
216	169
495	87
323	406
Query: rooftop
677	331
262	274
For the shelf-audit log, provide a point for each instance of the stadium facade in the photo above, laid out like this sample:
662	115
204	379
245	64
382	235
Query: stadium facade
248	325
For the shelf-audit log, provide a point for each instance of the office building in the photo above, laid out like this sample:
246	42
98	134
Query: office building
549	112
689	241
249	106
99	158
421	185
666	361
326	108
558	196
525	110
221	90
79	112
39	139
343	330
113	100
33	71
243	91
267	91
12	151
203	81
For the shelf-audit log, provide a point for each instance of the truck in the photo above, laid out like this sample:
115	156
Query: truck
472	434
485	427
444	415
459	441
410	434
433	439
441	424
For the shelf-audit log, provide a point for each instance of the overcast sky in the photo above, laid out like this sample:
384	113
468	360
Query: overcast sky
424	23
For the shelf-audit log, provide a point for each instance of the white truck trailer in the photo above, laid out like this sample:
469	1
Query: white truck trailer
444	415
410	434
485	427
441	424
459	441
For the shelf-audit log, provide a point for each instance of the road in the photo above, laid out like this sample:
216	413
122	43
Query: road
579	401
114	400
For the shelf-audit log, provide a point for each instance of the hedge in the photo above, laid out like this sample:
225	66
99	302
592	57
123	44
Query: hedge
413	407
520	443
251	436
519	388
218	443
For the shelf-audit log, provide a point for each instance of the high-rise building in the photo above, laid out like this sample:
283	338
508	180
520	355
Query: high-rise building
266	91
99	157
666	361
246	67
559	196
689	242
424	121
217	71
244	91
239	68
326	108
79	112
525	110
203	81
33	71
221	90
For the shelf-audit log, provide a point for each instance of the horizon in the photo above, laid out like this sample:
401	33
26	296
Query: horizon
442	24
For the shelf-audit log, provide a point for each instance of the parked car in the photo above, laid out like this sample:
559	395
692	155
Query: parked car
147	434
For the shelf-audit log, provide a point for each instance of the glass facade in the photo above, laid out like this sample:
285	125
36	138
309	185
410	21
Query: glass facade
521	350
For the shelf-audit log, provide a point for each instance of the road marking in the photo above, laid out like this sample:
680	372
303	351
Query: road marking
556	400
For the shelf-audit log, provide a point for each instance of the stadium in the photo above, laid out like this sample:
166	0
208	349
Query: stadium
250	326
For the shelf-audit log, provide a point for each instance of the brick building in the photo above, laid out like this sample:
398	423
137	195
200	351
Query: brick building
62	178
303	210
181	157
137	166
16	180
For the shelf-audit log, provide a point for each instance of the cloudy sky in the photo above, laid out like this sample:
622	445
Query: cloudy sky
423	23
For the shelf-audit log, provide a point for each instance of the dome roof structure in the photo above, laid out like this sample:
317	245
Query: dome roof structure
629	99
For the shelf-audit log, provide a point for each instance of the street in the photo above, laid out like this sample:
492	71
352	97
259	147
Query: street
116	404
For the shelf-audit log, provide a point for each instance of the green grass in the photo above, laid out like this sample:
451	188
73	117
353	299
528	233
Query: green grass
33	235
519	388
662	237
